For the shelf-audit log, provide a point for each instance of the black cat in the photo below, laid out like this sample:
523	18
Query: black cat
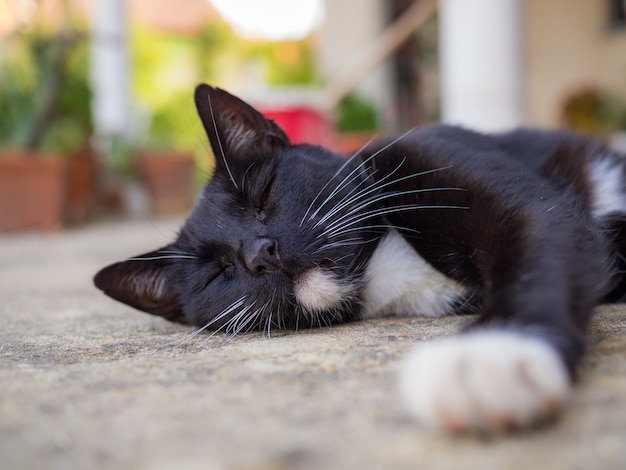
523	228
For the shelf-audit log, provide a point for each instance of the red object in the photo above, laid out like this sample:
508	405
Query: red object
301	123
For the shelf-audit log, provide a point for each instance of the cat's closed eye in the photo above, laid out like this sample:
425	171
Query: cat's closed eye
218	272
228	271
260	214
214	272
263	202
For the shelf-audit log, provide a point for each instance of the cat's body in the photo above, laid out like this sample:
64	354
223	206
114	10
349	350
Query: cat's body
523	228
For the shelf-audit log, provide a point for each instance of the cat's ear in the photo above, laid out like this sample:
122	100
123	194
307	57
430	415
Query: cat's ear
143	283
234	127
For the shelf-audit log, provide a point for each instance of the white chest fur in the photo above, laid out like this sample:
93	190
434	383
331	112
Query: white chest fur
606	175
400	282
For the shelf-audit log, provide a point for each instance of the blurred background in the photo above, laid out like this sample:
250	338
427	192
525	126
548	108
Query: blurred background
96	112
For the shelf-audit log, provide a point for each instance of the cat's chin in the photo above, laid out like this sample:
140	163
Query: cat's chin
319	290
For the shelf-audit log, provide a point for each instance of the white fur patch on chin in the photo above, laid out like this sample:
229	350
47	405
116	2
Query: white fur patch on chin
319	290
484	381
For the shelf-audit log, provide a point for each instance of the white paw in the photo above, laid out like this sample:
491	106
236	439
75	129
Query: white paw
484	381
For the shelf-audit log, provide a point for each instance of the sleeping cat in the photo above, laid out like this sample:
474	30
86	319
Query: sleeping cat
525	229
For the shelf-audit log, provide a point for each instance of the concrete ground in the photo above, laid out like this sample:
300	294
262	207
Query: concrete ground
88	383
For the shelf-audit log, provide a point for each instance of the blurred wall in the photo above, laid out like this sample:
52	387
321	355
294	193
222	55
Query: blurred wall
350	27
569	45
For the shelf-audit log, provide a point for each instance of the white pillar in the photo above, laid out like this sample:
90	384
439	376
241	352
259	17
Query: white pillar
109	68
481	57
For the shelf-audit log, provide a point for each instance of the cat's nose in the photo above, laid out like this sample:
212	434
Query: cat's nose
262	255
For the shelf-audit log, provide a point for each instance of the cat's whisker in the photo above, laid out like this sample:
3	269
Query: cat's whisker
236	304
152	258
378	186
334	245
374	186
226	326
357	168
219	143
234	322
350	243
347	241
341	258
243	322
346	180
348	196
324	318
281	315
251	321
317	316
381	197
258	314
383	229
351	198
388	210
358	218
268	325
337	173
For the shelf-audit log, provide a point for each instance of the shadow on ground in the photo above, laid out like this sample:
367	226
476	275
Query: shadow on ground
89	383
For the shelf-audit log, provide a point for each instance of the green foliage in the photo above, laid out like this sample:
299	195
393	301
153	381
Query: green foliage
216	48
594	111
29	62
72	126
285	62
17	83
167	66
613	113
354	113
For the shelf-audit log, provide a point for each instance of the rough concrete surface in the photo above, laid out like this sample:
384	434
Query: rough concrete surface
88	383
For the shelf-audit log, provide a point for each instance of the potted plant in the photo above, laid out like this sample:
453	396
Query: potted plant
613	117
45	127
167	175
595	111
356	123
165	162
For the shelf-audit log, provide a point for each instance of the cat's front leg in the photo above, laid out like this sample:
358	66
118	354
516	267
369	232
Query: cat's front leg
485	380
513	367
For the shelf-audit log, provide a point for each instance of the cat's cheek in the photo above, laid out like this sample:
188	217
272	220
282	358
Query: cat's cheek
319	290
484	381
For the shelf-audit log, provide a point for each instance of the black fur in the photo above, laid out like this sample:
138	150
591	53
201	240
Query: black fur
510	219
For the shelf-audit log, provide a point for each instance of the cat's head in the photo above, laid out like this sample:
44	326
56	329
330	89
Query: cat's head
279	237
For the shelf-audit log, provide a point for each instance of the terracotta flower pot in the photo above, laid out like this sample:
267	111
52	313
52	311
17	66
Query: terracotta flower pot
81	182
32	190
350	142
168	178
